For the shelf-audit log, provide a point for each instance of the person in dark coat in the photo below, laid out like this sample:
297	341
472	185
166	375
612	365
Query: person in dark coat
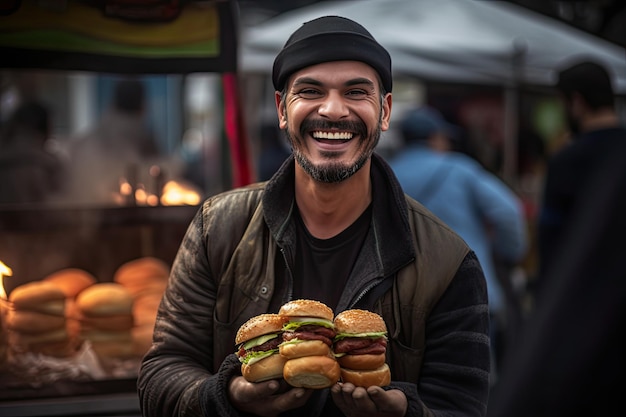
570	359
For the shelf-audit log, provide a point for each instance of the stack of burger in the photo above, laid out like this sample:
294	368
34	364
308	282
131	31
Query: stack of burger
105	312
36	320
257	341
145	279
360	348
71	281
307	341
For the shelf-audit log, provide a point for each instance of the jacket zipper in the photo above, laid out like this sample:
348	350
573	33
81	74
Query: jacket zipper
289	276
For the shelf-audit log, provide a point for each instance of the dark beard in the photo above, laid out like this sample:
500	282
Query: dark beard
334	172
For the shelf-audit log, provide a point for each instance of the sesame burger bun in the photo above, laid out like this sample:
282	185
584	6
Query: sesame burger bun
306	308
380	376
257	343
105	299
312	372
359	321
43	297
71	280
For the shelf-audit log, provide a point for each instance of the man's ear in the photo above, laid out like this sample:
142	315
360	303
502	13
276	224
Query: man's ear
386	110
280	109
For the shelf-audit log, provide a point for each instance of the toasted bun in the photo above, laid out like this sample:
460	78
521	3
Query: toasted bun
145	310
122	336
147	274
51	336
71	280
113	349
306	308
361	362
33	322
312	372
270	367
117	322
40	296
359	321
260	325
304	348
104	299
380	376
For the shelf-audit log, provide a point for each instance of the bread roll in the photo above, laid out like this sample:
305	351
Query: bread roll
147	274
304	348
33	322
362	362
311	372
105	299
268	368
71	280
40	296
380	376
28	339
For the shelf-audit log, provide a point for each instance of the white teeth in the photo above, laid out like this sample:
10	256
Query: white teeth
332	135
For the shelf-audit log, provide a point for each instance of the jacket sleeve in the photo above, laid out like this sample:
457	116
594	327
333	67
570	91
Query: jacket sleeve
454	379
176	372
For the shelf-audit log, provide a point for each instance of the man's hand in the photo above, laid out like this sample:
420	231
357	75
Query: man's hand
371	402
267	399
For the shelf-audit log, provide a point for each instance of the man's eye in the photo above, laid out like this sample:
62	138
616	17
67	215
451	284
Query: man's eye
309	92
356	93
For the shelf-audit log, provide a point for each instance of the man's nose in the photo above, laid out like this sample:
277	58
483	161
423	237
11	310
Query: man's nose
334	106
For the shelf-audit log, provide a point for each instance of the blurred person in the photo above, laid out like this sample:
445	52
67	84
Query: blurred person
475	203
115	148
333	225
29	171
588	98
570	359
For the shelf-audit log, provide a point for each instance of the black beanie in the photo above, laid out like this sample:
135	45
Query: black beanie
326	39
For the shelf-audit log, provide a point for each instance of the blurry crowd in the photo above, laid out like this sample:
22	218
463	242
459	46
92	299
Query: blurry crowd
88	167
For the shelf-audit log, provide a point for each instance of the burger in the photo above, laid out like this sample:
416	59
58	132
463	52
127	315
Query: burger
307	344
257	343
37	322
104	312
360	347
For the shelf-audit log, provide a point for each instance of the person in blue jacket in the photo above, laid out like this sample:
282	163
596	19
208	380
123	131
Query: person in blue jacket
475	203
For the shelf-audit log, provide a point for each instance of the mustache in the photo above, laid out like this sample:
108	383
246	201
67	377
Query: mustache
356	126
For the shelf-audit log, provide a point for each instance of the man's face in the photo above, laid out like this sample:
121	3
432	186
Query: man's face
333	115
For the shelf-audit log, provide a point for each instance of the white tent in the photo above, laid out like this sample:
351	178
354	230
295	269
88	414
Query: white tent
471	41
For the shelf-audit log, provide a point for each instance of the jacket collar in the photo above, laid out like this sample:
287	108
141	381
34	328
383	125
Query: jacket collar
390	235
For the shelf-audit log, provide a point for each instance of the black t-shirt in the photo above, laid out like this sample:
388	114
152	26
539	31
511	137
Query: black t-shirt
324	265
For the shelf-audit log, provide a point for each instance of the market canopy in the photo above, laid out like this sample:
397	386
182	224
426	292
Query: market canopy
465	41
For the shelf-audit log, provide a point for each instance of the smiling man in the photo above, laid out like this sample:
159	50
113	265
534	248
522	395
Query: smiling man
332	225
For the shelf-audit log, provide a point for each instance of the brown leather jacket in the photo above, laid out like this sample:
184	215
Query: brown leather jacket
224	274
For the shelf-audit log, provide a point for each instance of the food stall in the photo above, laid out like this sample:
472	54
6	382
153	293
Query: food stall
68	54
